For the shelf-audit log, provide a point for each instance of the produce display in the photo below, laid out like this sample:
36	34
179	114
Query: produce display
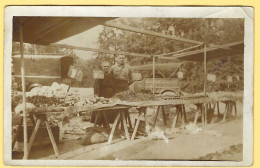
132	96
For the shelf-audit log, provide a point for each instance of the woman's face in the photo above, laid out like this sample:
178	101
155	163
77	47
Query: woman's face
105	67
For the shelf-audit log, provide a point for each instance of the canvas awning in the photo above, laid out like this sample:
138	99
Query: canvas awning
46	30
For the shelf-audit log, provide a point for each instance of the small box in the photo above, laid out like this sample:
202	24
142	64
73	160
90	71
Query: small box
98	75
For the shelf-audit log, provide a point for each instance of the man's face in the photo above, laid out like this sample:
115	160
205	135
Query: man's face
105	67
121	59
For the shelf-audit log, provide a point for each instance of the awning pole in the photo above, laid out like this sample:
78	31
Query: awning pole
153	74
205	69
24	95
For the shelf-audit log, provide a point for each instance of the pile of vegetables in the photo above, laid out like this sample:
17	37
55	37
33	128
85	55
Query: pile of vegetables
132	96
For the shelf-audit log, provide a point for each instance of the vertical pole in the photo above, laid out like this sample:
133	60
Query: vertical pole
205	70
153	74
153	82
24	94
205	85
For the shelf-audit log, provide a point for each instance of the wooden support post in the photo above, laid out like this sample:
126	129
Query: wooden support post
235	107
225	112
153	74
197	114
35	130
136	125
97	115
52	139
125	126
206	113
184	111
175	117
106	121
218	109
230	108
156	115
205	70
24	94
202	114
147	125
164	116
18	131
113	129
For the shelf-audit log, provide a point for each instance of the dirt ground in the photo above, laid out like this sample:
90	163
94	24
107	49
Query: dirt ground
215	141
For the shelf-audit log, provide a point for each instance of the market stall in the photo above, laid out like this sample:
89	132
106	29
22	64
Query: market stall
52	33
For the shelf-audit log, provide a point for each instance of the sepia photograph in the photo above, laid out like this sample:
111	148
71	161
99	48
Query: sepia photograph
113	86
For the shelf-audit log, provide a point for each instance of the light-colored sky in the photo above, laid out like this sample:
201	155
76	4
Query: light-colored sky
85	39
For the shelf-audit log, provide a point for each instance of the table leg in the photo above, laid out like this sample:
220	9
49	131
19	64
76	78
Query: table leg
106	121
206	113
97	115
113	129
129	119
125	126
235	107
35	130
164	117
185	117
156	115
52	139
136	126
197	114
230	108
19	129
175	117
225	112
202	114
218	109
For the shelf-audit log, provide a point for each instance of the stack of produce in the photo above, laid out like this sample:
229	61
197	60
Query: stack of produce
222	96
133	96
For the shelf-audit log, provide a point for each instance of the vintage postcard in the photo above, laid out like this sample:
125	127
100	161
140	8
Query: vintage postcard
128	86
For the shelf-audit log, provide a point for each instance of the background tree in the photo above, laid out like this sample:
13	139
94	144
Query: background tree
211	31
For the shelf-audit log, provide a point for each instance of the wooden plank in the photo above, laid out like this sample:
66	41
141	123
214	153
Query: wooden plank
52	139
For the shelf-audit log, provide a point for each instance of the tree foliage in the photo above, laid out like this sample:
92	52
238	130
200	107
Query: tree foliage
209	31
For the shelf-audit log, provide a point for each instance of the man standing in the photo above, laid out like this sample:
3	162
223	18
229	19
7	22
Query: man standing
122	73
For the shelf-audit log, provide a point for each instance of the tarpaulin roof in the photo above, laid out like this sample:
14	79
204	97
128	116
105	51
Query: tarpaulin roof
46	30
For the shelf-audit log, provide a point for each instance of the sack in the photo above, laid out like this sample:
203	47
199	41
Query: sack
93	136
